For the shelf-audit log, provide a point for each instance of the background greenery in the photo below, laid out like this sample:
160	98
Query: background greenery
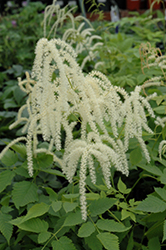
43	212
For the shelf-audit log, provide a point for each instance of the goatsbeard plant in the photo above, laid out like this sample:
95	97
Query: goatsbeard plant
108	116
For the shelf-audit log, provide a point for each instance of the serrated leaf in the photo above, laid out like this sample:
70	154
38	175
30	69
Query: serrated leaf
70	196
68	206
152	204
10	158
156	230
6	179
151	169
42	161
6	209
154	244
125	214
130	245
21	171
92	196
161	192
36	211
20	148
52	194
73	218
52	171
101	205
136	156
86	229
109	241
164	231
111	226
24	192
43	237
121	186
56	205
5	227
35	225
64	243
93	242
163	177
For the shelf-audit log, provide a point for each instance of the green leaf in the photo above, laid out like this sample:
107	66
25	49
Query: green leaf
5	179
154	244
86	229
152	204
121	186
36	211
43	237
163	177
10	158
52	194
151	169
18	95
73	218
136	156
93	242
130	244
52	171
92	196
141	78
68	206
164	132
22	171
125	214
5	227
101	205
43	161
24	192
160	110
161	192
109	241
21	149
64	243
156	230
35	225
56	205
6	209
70	196
164	231
111	226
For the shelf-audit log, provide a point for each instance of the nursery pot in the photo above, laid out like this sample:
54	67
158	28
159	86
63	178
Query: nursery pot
133	4
156	6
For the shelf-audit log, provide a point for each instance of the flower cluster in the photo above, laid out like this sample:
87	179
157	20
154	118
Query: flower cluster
79	35
58	89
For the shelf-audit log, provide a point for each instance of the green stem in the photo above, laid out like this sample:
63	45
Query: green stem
114	217
54	235
93	223
144	175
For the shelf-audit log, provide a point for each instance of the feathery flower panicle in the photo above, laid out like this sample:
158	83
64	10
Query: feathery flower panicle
58	89
152	57
80	39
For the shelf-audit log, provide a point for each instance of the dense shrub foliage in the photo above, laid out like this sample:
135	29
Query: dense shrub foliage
90	105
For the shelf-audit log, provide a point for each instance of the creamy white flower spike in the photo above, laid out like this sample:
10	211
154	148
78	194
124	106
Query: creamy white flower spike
58	89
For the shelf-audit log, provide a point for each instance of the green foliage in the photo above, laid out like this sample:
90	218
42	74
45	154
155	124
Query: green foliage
109	241
43	212
5	227
23	193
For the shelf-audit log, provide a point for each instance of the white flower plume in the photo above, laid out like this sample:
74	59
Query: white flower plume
58	89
